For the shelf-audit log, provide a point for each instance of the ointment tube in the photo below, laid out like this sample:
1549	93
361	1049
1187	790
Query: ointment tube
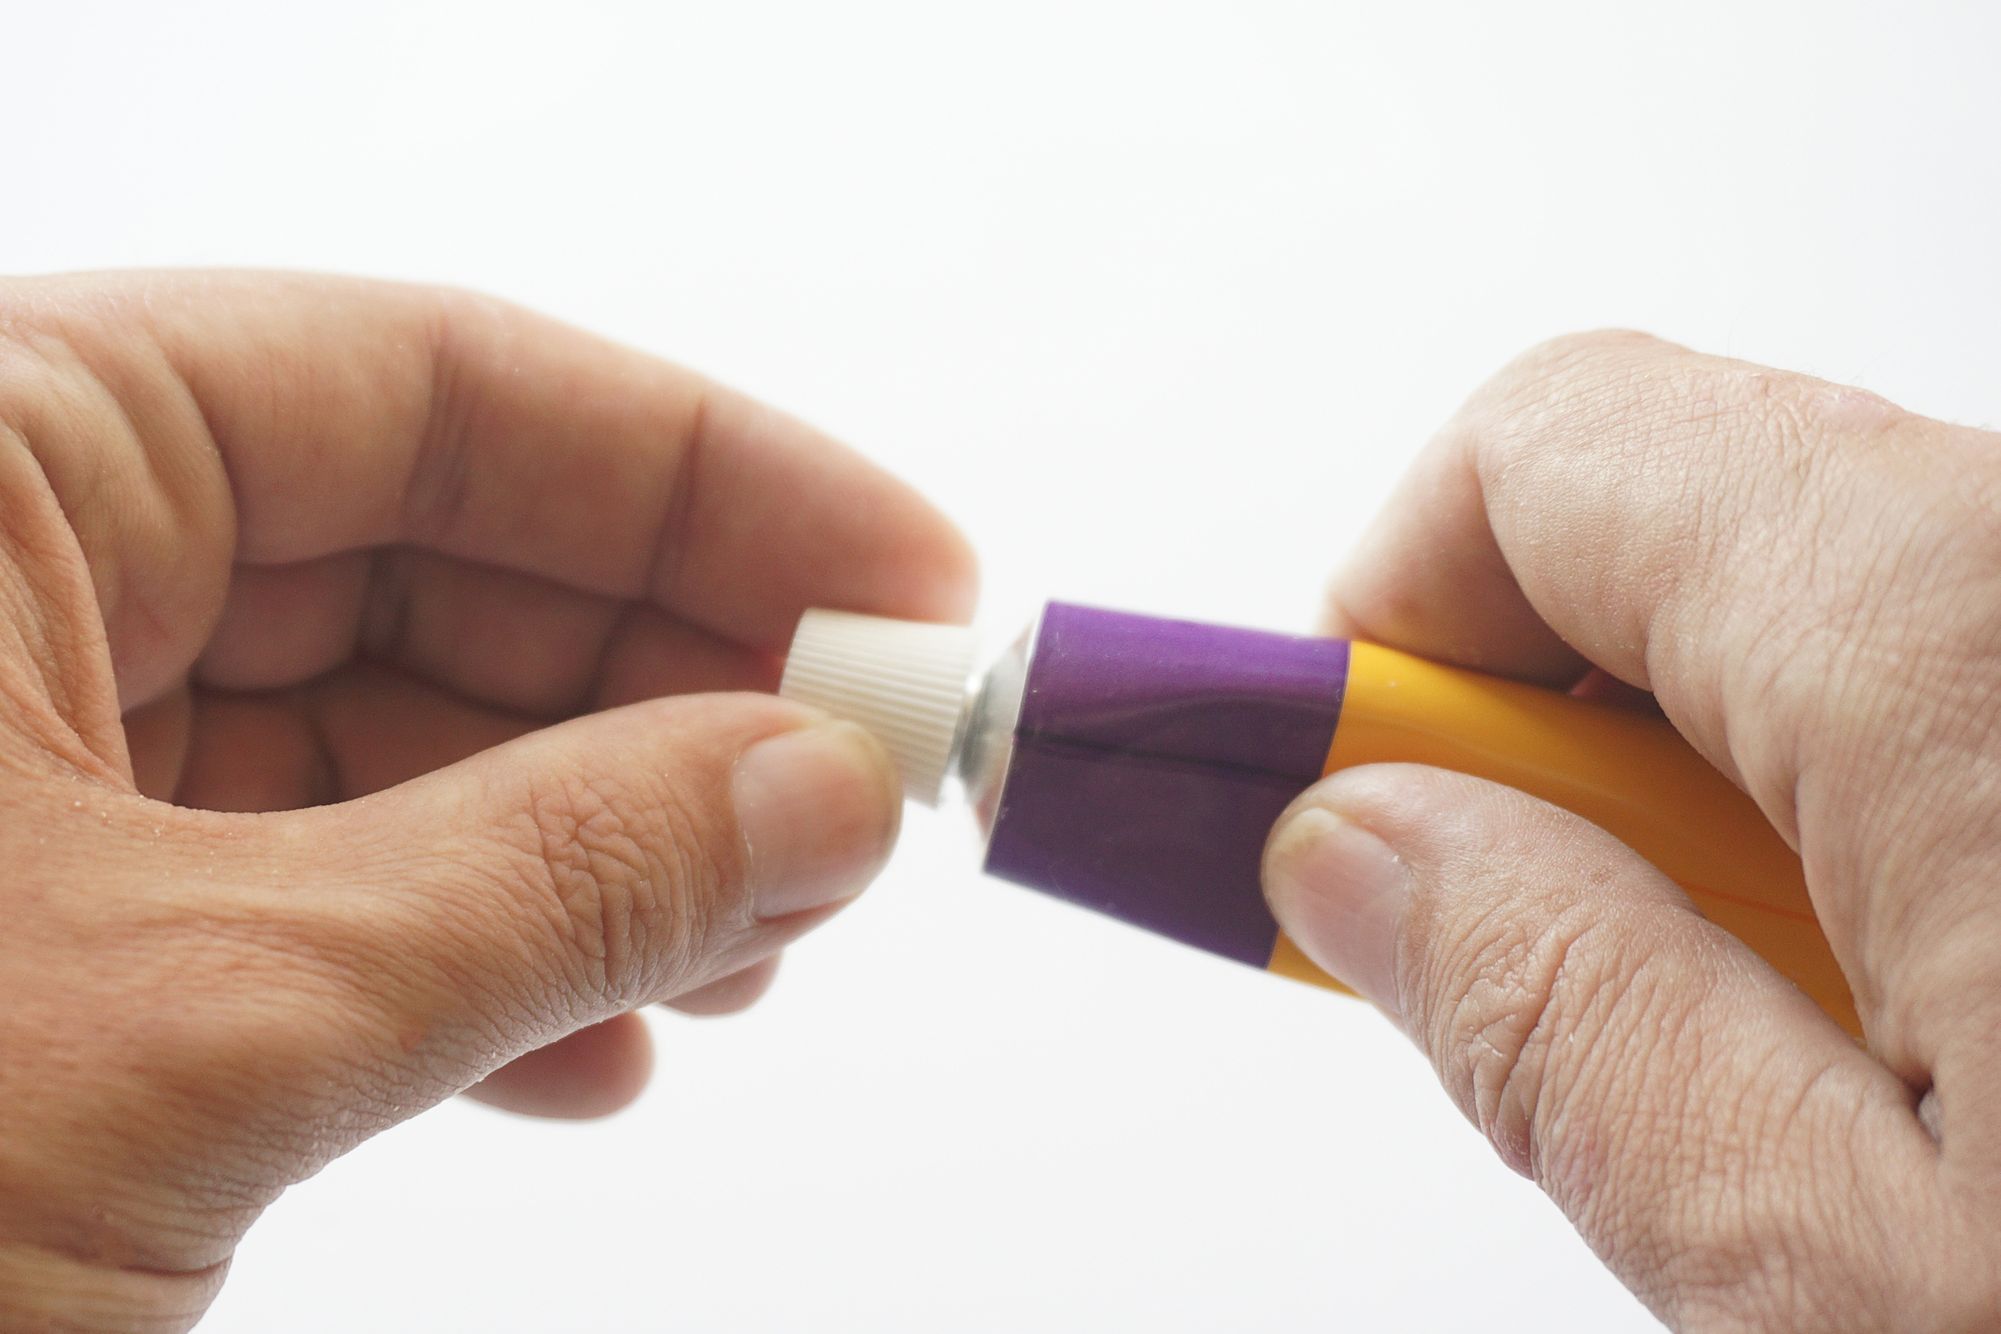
1135	765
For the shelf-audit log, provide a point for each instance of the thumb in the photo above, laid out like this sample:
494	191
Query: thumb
601	864
1687	1107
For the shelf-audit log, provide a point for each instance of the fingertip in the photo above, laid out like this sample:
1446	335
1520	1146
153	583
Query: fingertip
801	520
611	861
1398	803
1339	891
590	1073
955	574
729	995
925	568
818	809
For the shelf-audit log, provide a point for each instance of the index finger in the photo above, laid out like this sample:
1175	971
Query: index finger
353	414
1781	561
1613	501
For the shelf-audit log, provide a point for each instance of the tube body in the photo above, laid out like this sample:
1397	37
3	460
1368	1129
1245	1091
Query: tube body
1150	758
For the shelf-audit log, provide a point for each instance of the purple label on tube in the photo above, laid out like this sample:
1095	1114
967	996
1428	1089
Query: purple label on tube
1150	760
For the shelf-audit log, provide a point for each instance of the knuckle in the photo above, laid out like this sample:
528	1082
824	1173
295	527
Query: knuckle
1667	402
618	875
1584	356
1546	1022
1559	375
1785	445
1581	402
1775	498
1868	599
457	327
1513	993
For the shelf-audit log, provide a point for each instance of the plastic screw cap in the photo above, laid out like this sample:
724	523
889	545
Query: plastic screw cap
905	681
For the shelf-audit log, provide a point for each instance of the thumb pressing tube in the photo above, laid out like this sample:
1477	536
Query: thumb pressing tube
1135	765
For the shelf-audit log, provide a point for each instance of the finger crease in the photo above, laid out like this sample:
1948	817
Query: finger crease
670	546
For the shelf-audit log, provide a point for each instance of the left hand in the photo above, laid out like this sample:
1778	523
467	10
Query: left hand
275	542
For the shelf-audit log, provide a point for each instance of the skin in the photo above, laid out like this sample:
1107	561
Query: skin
373	727
1804	578
371	663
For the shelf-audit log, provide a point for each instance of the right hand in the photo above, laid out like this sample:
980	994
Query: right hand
1808	580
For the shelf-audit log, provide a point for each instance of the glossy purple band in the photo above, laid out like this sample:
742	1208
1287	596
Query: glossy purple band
1152	757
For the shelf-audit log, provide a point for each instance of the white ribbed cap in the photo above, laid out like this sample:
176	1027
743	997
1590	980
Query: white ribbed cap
905	681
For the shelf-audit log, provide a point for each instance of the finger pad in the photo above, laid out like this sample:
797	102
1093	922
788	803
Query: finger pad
592	1072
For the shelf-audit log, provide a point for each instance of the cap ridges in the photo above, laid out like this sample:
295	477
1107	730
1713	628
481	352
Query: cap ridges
905	681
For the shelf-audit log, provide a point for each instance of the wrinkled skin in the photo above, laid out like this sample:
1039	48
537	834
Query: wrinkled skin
1808	581
368	663
372	728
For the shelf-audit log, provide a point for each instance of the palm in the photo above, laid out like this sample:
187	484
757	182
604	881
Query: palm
317	537
328	681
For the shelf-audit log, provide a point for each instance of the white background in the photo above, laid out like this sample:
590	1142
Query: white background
1157	299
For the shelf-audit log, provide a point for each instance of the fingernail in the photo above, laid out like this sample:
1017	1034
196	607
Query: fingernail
1339	892
818	809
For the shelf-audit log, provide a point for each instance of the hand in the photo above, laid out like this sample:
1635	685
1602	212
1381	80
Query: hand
281	543
1809	582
